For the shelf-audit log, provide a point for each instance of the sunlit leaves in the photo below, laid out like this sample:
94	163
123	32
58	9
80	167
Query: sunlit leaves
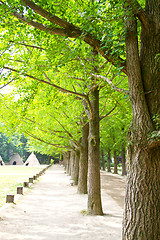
38	108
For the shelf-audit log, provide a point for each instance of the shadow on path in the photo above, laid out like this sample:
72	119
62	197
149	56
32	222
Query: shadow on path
114	186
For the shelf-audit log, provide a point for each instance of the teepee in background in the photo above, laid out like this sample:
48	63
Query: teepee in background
32	160
16	160
1	162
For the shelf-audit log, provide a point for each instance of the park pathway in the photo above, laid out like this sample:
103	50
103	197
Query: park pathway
52	210
114	186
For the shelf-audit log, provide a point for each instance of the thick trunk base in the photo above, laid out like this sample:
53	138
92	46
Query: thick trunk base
142	201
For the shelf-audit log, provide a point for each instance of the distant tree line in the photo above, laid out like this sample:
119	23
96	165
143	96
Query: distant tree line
18	144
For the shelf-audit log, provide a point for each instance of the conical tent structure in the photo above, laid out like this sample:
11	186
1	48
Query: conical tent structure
16	160
1	162
32	160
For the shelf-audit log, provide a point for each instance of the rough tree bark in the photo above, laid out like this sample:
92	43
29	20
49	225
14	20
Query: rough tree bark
123	161
72	160
74	163
123	154
142	201
83	162
94	188
67	161
75	172
109	161
115	162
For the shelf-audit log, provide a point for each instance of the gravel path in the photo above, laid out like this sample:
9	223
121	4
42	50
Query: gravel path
52	210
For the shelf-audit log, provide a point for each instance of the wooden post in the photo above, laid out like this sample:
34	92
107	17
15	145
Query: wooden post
9	198
31	180
26	184
34	177
20	190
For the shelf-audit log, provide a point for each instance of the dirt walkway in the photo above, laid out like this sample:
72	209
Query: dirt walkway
114	185
52	210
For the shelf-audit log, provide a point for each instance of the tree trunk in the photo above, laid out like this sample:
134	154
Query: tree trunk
142	201
123	161
115	162
75	171
109	161
72	163
83	162
103	160
94	188
49	159
67	161
60	158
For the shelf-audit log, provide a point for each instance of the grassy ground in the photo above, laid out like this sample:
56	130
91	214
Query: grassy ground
13	176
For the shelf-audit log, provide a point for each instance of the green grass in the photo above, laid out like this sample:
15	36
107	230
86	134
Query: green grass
13	176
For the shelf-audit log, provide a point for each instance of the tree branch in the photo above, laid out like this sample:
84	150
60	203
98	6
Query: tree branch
70	30
7	83
52	18
88	113
41	140
114	113
40	26
51	131
104	107
78	147
24	118
140	110
69	134
77	78
108	113
27	45
78	94
43	81
111	84
94	87
65	90
57	87
138	10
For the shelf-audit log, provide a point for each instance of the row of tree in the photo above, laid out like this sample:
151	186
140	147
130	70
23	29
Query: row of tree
67	65
54	118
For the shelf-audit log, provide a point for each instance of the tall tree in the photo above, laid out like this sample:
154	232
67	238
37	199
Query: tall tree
142	202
